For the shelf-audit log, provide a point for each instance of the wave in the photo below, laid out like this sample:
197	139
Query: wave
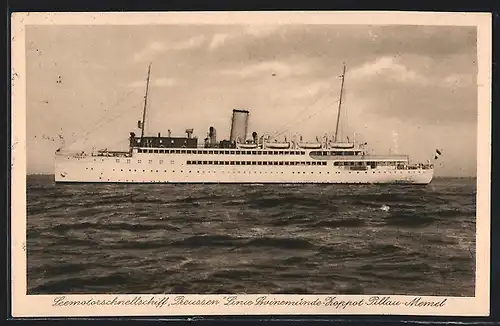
281	243
251	239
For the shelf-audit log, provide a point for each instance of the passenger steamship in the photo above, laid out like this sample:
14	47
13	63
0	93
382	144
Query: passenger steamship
160	159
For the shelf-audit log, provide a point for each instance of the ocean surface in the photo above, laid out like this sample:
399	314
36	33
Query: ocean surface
294	239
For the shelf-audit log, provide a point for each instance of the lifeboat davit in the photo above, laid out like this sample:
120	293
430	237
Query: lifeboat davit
310	145
278	145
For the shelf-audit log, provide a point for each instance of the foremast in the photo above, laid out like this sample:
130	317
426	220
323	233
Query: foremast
340	104
143	123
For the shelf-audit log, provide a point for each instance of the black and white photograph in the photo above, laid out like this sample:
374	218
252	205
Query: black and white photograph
257	162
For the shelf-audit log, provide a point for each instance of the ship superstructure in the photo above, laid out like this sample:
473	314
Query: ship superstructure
243	158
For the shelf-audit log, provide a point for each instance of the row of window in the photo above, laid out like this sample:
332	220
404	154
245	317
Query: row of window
253	163
140	161
265	172
344	163
219	152
336	153
173	171
366	163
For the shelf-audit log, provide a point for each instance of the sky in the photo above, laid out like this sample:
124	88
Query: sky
408	89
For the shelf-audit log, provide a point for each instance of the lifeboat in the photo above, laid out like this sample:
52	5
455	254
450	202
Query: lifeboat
278	145
247	146
310	145
342	145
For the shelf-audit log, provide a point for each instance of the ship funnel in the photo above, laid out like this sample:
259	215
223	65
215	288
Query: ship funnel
239	125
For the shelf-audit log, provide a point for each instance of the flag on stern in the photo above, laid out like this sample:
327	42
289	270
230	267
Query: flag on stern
438	154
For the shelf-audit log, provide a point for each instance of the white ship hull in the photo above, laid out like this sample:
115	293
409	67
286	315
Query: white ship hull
166	168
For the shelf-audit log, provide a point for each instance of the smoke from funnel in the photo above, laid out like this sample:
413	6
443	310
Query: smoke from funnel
239	125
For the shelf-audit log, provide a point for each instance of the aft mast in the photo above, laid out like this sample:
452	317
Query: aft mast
145	106
340	105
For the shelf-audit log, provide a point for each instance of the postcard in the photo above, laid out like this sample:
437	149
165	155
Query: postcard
250	163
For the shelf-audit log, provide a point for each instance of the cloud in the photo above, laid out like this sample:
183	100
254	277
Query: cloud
310	89
152	49
261	30
191	43
248	33
268	68
218	40
432	104
256	31
388	67
458	80
155	48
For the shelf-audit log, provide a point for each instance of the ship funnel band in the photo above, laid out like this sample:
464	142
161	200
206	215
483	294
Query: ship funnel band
241	111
